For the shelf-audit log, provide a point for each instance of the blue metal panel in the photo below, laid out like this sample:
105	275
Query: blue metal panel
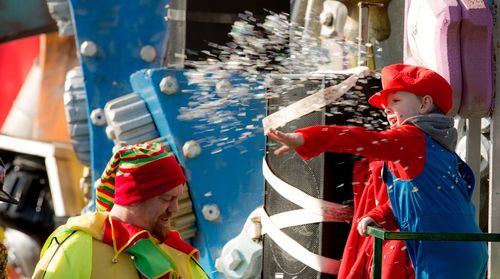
232	178
119	29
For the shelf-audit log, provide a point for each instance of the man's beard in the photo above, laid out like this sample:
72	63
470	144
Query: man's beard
161	228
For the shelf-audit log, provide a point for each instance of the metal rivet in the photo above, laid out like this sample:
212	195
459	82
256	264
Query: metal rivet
210	212
191	149
168	85
148	53
97	117
167	6
88	48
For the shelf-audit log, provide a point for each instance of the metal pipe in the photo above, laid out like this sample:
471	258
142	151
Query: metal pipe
312	25
176	36
298	12
363	40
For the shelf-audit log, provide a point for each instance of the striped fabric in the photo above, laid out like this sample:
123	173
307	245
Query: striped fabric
125	161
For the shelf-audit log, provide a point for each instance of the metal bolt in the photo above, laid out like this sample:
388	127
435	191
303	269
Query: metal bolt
211	212
167	7
88	48
223	88
148	53
97	117
256	229
191	149
168	85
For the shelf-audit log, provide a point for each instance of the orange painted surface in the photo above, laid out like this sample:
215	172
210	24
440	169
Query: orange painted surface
16	59
57	57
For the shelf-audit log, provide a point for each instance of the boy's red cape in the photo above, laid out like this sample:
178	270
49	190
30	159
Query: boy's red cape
370	191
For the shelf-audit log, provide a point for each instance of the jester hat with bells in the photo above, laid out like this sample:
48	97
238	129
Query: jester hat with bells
136	173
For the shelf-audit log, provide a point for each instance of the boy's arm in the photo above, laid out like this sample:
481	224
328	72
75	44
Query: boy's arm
402	143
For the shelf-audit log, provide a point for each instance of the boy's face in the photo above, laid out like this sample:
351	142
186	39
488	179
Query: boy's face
400	106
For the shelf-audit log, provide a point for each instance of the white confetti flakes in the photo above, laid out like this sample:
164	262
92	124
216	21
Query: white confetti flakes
224	88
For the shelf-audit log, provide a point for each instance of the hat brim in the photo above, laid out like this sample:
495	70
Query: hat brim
379	99
7	198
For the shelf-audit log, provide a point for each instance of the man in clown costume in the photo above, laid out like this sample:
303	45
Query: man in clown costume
129	236
428	185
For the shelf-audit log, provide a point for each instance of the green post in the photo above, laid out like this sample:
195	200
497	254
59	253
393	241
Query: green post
377	258
379	235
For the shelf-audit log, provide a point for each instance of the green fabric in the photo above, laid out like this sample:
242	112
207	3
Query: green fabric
150	261
59	252
68	251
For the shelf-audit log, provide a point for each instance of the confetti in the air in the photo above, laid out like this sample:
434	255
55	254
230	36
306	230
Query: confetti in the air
230	91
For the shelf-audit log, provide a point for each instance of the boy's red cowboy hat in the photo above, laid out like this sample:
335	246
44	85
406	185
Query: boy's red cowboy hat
414	79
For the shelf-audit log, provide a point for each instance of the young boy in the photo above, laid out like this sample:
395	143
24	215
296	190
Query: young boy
429	186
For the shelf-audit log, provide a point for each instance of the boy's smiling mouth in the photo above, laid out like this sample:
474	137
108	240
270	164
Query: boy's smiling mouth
392	121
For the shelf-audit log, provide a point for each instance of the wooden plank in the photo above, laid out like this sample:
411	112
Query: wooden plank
57	57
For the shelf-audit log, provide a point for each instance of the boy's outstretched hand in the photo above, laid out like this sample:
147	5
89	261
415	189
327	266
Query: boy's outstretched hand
288	140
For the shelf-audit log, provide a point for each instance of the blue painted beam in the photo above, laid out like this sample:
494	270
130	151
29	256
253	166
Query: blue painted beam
109	37
231	177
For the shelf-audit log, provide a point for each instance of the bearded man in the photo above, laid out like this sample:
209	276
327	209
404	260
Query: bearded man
129	236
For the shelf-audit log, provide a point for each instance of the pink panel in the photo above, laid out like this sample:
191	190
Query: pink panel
445	58
477	58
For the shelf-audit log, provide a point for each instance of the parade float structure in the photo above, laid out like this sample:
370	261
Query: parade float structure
130	72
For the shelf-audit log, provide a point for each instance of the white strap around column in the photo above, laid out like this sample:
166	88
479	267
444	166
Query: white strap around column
295	249
328	210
